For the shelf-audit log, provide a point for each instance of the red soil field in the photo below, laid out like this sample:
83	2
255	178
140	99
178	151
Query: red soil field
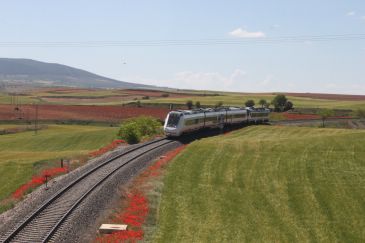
82	112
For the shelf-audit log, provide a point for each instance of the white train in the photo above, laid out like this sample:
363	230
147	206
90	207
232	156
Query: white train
185	121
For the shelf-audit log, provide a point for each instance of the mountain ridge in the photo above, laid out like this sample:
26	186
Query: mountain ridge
29	72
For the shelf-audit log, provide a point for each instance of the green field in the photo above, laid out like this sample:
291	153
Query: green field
206	98
21	153
235	99
267	184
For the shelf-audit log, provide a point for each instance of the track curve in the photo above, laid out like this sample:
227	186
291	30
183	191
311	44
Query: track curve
43	223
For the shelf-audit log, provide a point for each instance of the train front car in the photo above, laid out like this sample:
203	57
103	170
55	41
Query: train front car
258	115
173	123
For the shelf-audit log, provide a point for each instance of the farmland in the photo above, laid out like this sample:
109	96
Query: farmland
106	97
267	184
113	114
22	154
235	99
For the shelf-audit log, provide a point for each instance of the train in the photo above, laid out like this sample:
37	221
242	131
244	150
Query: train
181	122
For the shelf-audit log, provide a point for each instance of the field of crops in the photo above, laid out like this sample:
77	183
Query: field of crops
239	100
22	153
112	114
73	96
267	184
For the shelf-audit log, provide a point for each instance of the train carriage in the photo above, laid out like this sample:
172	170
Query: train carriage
185	121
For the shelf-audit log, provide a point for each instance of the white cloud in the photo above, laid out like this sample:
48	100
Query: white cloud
242	33
210	80
351	13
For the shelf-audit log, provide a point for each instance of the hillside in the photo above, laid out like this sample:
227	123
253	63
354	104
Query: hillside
34	73
267	184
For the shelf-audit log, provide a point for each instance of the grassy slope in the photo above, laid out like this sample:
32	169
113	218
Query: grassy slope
267	184
21	151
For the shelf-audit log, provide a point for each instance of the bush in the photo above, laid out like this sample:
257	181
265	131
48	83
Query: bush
165	95
135	129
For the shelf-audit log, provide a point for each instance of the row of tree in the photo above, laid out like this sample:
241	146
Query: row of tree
280	103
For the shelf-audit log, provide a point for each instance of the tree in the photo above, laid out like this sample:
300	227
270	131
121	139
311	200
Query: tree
197	104
135	129
250	103
189	104
129	132
279	102
360	113
325	114
219	104
263	103
288	105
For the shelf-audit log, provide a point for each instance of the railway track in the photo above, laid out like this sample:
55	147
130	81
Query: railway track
42	224
300	121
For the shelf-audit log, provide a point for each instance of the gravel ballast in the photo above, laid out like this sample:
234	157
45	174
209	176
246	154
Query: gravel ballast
82	224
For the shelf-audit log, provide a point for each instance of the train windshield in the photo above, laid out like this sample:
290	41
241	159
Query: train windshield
173	120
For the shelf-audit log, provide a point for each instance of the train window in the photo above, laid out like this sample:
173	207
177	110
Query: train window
173	120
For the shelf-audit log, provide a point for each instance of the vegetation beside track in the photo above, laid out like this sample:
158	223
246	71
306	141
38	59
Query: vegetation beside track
24	154
267	184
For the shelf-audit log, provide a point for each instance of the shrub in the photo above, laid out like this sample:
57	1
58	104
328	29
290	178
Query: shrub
129	132
197	104
145	97
165	95
135	129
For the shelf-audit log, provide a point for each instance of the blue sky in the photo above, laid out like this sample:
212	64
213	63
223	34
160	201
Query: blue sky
305	65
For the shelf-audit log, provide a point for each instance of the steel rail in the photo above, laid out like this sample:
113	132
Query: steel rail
74	206
59	193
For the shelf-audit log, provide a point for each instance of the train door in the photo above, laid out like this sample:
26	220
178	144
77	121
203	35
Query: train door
221	119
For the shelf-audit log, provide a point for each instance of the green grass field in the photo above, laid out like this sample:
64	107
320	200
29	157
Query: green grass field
267	184
21	153
118	97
